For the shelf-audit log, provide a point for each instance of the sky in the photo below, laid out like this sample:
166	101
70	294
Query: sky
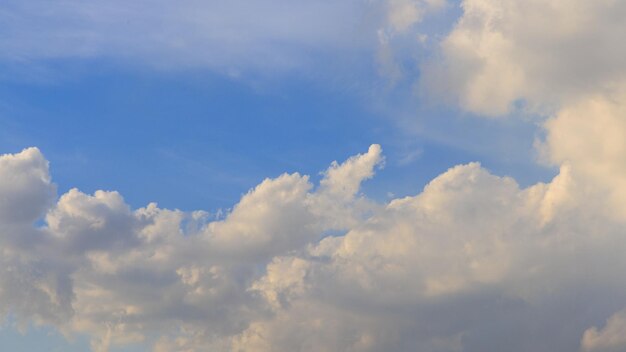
380	175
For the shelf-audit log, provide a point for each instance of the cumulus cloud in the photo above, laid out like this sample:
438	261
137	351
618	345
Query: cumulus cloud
611	338
472	263
26	189
590	136
561	60
542	53
35	285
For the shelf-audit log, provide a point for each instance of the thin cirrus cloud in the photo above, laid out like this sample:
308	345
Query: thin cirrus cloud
473	262
215	34
228	37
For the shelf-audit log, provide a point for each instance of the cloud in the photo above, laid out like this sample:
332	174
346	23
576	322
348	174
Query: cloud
472	263
397	33
25	187
608	339
98	267
562	61
230	37
237	38
541	53
466	262
34	284
222	35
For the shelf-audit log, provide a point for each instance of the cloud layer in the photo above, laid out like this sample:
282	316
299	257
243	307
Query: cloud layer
472	263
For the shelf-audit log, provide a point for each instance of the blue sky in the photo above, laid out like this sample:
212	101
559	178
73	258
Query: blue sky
209	109
152	135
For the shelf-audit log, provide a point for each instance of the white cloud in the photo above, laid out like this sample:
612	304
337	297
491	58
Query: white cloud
34	283
101	221
590	135
403	14
611	338
25	187
544	53
472	258
562	60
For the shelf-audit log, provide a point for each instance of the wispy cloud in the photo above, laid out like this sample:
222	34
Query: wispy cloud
223	35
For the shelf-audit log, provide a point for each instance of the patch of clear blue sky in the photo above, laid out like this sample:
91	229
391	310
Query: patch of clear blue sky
39	338
44	339
197	140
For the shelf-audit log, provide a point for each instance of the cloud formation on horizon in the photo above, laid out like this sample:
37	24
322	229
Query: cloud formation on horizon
472	263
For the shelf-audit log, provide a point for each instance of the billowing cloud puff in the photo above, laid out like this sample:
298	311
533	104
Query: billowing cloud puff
25	187
472	263
611	338
543	53
590	135
34	283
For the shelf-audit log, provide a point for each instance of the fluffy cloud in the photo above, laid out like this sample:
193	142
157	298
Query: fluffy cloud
472	263
34	283
99	267
590	135
25	187
561	60
543	53
611	338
